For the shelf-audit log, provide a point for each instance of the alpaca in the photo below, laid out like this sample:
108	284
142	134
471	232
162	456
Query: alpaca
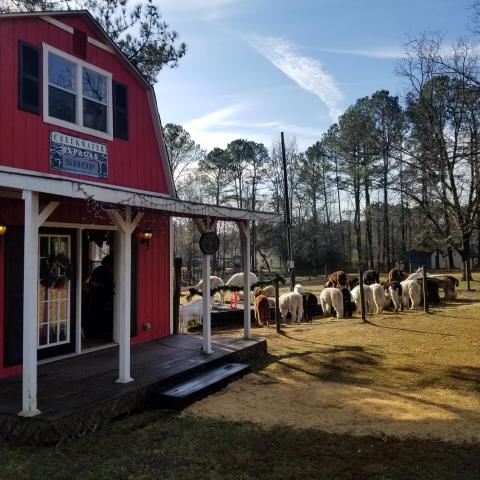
261	308
379	297
368	295
412	291
291	302
332	298
337	279
188	312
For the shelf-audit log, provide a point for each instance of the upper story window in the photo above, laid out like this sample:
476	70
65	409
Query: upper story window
77	95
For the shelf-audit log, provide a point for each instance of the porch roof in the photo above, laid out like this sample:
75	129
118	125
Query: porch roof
18	179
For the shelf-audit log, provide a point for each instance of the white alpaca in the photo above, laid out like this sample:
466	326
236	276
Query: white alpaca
332	297
214	283
291	302
368	294
414	276
413	291
237	280
188	312
395	291
379	297
298	288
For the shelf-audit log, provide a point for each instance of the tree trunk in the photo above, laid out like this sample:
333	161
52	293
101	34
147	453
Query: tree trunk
357	226
368	224
337	181
466	254
386	227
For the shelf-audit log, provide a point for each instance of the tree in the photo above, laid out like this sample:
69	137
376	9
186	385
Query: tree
355	133
443	142
240	152
387	135
215	165
137	29
182	152
331	143
257	167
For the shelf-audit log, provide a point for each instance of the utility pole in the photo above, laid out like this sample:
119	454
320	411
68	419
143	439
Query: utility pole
288	222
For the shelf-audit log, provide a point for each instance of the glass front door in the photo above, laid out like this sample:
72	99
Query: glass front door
55	294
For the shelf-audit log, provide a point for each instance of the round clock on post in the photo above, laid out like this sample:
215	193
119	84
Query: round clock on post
209	243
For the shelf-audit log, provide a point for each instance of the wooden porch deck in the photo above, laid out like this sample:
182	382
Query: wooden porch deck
79	394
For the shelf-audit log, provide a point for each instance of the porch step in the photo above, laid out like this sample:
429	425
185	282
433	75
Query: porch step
200	385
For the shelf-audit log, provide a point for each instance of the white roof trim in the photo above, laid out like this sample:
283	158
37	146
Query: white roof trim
113	194
162	150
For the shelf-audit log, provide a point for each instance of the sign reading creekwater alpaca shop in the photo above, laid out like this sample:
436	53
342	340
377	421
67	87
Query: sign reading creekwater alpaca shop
77	155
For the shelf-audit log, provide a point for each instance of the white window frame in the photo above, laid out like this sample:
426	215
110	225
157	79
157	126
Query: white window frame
78	125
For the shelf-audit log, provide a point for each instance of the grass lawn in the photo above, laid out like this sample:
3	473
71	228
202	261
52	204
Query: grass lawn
398	398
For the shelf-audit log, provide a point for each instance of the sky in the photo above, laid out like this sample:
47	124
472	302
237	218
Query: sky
254	68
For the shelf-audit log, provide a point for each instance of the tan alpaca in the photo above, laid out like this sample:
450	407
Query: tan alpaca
261	307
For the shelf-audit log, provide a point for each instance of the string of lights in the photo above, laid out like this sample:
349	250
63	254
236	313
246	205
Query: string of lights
177	207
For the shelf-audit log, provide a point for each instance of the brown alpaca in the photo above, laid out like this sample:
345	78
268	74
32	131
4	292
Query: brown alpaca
261	307
337	279
396	275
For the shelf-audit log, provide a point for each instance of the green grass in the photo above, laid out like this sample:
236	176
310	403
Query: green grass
164	445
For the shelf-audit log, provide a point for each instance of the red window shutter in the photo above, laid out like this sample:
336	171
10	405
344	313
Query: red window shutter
80	44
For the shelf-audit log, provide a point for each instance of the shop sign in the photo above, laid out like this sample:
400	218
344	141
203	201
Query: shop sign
78	155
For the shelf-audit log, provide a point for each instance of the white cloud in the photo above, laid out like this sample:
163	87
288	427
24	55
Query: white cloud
386	53
214	118
307	72
220	127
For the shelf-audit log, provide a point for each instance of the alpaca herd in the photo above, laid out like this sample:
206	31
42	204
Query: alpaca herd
340	297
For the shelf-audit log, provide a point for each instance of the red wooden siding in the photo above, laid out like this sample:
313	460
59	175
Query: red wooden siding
24	137
153	271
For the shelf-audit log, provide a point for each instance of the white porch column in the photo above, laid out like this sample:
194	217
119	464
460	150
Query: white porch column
30	306
207	319
122	271
245	231
206	225
124	292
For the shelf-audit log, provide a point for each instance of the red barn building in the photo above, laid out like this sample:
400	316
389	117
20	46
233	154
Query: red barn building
84	183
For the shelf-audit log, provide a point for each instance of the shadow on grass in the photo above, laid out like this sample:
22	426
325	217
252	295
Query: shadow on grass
466	374
411	330
340	363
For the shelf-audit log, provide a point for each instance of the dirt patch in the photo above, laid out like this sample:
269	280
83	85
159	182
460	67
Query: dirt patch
337	408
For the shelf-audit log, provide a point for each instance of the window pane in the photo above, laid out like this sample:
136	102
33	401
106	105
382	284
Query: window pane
94	86
42	335
61	104
53	331
63	313
62	72
63	332
94	115
43	312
